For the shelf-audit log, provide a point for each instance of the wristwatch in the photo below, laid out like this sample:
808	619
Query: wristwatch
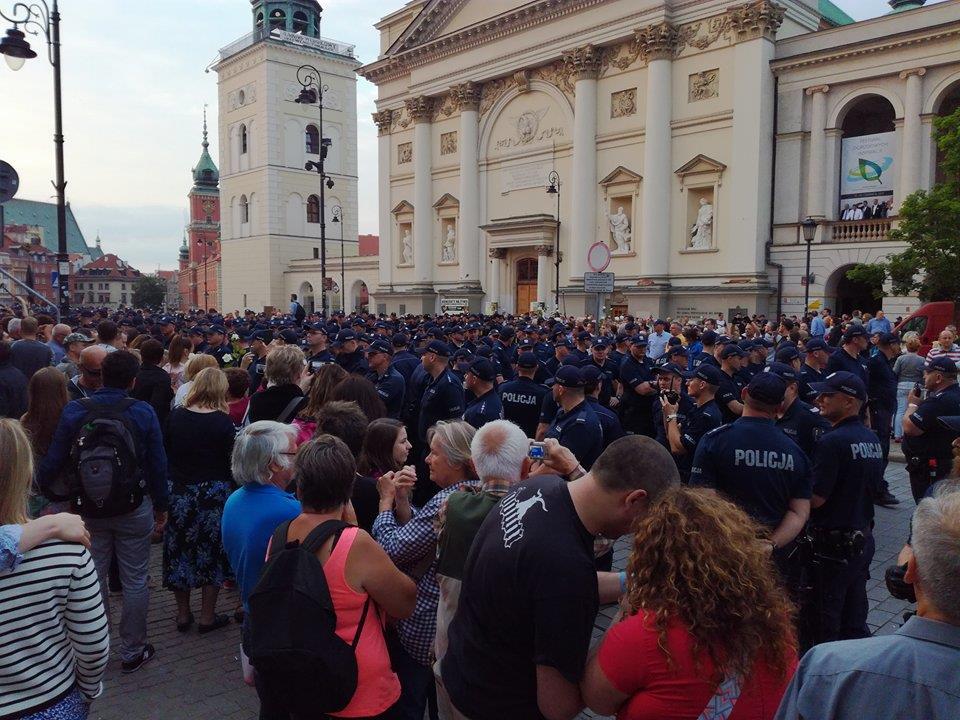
671	417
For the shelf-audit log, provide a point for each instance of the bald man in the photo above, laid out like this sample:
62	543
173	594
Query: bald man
89	380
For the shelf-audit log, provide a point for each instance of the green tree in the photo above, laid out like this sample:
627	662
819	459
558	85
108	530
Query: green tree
149	291
930	226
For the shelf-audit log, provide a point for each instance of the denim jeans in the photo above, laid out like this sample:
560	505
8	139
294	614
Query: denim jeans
903	389
128	538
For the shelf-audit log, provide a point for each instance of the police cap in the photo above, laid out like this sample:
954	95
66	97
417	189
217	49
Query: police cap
767	388
841	382
785	355
783	370
483	369
814	344
569	376
639	340
710	374
290	337
669	368
527	360
439	348
731	350
264	336
941	364
380	346
854	331
890	338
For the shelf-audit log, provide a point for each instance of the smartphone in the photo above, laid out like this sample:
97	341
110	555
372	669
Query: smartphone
920	391
536	451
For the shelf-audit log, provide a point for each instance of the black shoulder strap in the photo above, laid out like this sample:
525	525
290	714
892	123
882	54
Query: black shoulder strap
290	409
318	536
279	540
363	619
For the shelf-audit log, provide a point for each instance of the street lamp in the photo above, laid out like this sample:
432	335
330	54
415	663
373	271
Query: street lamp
312	92
206	244
337	213
554	179
35	18
809	228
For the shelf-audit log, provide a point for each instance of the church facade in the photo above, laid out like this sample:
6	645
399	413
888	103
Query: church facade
524	144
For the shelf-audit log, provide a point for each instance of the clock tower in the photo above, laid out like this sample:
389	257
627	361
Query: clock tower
199	280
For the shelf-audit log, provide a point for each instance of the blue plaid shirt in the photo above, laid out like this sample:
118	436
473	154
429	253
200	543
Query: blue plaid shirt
409	545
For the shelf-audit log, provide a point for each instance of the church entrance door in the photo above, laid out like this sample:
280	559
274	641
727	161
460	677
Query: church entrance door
526	284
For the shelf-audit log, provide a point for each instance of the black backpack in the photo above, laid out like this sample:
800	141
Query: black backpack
290	629
299	314
105	478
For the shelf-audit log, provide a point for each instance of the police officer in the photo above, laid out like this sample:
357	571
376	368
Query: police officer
403	360
576	425
259	342
388	381
669	384
638	389
218	346
758	467
847	468
318	354
608	372
442	398
609	422
731	384
480	381
561	349
522	397
700	415
582	348
349	355
851	355
505	351
926	442
799	420
814	368
706	355
882	403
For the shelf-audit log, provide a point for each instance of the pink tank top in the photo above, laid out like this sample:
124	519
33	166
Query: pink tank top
378	687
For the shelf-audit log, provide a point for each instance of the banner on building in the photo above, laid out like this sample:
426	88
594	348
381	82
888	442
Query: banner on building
868	171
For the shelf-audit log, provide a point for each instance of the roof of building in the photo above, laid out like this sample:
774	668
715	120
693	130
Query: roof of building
205	174
44	214
109	267
832	14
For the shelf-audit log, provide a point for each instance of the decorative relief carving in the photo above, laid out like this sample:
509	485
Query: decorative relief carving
448	143
758	18
703	85
497	253
656	42
620	57
528	130
521	80
544	250
623	103
444	106
383	120
584	62
467	95
716	28
558	73
404	153
401	119
420	108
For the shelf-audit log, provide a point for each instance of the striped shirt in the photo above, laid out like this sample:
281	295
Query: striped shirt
936	351
53	629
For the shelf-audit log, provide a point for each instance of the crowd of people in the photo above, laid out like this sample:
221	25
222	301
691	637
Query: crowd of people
418	513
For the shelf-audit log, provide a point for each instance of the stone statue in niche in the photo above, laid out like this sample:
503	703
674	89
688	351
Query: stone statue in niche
701	234
448	251
620	230
406	248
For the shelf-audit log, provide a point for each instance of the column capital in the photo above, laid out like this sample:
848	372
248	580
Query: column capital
919	72
383	119
544	250
756	19
497	253
466	96
656	42
817	89
584	62
420	108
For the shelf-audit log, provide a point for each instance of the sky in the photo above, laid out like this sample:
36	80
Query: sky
134	89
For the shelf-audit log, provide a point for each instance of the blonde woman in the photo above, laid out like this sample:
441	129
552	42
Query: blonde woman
199	441
195	364
55	638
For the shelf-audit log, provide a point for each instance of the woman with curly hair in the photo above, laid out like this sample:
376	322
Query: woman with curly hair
703	615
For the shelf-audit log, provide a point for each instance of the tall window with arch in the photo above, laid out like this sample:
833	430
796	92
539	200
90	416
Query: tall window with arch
244	210
243	139
300	22
313	209
312	140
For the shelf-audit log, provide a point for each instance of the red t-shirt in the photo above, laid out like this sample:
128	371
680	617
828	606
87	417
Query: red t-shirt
634	664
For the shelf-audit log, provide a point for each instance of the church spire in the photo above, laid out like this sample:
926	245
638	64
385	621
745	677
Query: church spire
205	174
205	143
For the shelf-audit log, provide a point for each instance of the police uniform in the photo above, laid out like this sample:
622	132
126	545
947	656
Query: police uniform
442	399
882	392
521	400
808	376
695	422
608	373
930	455
802	423
324	357
405	363
484	409
636	411
391	389
842	360
223	354
730	389
579	431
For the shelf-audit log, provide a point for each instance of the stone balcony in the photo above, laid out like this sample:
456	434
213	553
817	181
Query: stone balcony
845	231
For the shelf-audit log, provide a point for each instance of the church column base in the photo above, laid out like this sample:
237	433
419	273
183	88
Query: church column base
405	300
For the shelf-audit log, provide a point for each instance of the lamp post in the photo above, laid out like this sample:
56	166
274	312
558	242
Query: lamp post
809	228
38	17
554	179
337	213
206	302
312	92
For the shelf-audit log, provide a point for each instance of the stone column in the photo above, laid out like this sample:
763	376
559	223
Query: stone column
496	269
656	43
387	241
816	175
469	242
911	151
544	273
420	110
584	62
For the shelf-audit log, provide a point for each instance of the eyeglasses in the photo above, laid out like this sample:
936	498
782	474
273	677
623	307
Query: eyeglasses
288	453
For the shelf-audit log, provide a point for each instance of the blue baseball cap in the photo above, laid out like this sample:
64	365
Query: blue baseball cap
669	368
708	337
264	336
854	331
783	370
814	344
483	369
290	337
380	346
639	340
438	347
890	338
841	382
591	373
768	388
569	376
786	354
216	329
710	374
527	360
731	350
941	364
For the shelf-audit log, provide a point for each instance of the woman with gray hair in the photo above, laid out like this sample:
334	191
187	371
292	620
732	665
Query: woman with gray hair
409	535
286	368
262	465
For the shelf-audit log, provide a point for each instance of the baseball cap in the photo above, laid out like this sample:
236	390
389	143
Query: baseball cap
785	355
196	330
483	369
583	335
216	329
668	368
590	373
290	337
569	376
731	350
783	370
676	350
841	382
380	346
709	337
814	344
265	336
527	360
854	331
316	327
639	340
166	320
890	338
438	347
463	353
400	340
345	336
941	364
710	374
767	388
76	337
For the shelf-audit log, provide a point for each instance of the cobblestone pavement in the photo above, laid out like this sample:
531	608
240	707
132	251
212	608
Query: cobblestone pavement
197	677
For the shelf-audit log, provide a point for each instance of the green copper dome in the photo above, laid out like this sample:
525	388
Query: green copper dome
295	16
205	174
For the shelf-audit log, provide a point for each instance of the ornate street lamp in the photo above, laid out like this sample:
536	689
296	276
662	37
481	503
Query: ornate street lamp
35	18
554	179
311	92
337	213
809	228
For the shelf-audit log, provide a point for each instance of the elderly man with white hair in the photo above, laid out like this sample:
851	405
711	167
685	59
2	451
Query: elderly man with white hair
913	672
262	464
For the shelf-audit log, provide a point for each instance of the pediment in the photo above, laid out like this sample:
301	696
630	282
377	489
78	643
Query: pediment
446	201
402	207
444	17
700	164
621	175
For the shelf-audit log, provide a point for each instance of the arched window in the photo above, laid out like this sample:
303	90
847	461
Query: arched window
278	20
243	139
313	209
313	140
300	22
244	210
259	20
